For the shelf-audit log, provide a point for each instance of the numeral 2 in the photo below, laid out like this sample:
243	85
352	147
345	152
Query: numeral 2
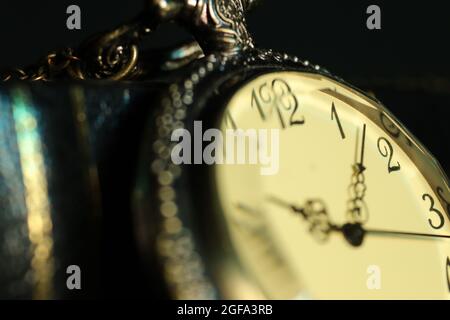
334	115
388	152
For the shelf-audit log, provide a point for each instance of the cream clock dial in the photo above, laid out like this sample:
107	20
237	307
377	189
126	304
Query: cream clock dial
357	208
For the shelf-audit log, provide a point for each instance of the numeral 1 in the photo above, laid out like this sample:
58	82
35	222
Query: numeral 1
334	115
229	120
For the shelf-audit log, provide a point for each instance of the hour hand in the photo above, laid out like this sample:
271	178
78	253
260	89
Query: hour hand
293	208
314	212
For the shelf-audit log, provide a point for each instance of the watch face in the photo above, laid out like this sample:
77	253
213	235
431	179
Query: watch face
331	197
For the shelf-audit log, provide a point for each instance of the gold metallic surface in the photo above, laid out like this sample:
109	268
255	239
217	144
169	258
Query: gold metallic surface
218	25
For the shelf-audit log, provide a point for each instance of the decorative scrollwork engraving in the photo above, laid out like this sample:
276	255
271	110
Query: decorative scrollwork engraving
218	25
113	55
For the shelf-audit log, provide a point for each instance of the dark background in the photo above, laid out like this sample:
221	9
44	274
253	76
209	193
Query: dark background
413	40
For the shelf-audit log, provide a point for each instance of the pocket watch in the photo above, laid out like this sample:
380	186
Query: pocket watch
262	175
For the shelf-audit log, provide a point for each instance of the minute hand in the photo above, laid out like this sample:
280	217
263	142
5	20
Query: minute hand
355	233
405	234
